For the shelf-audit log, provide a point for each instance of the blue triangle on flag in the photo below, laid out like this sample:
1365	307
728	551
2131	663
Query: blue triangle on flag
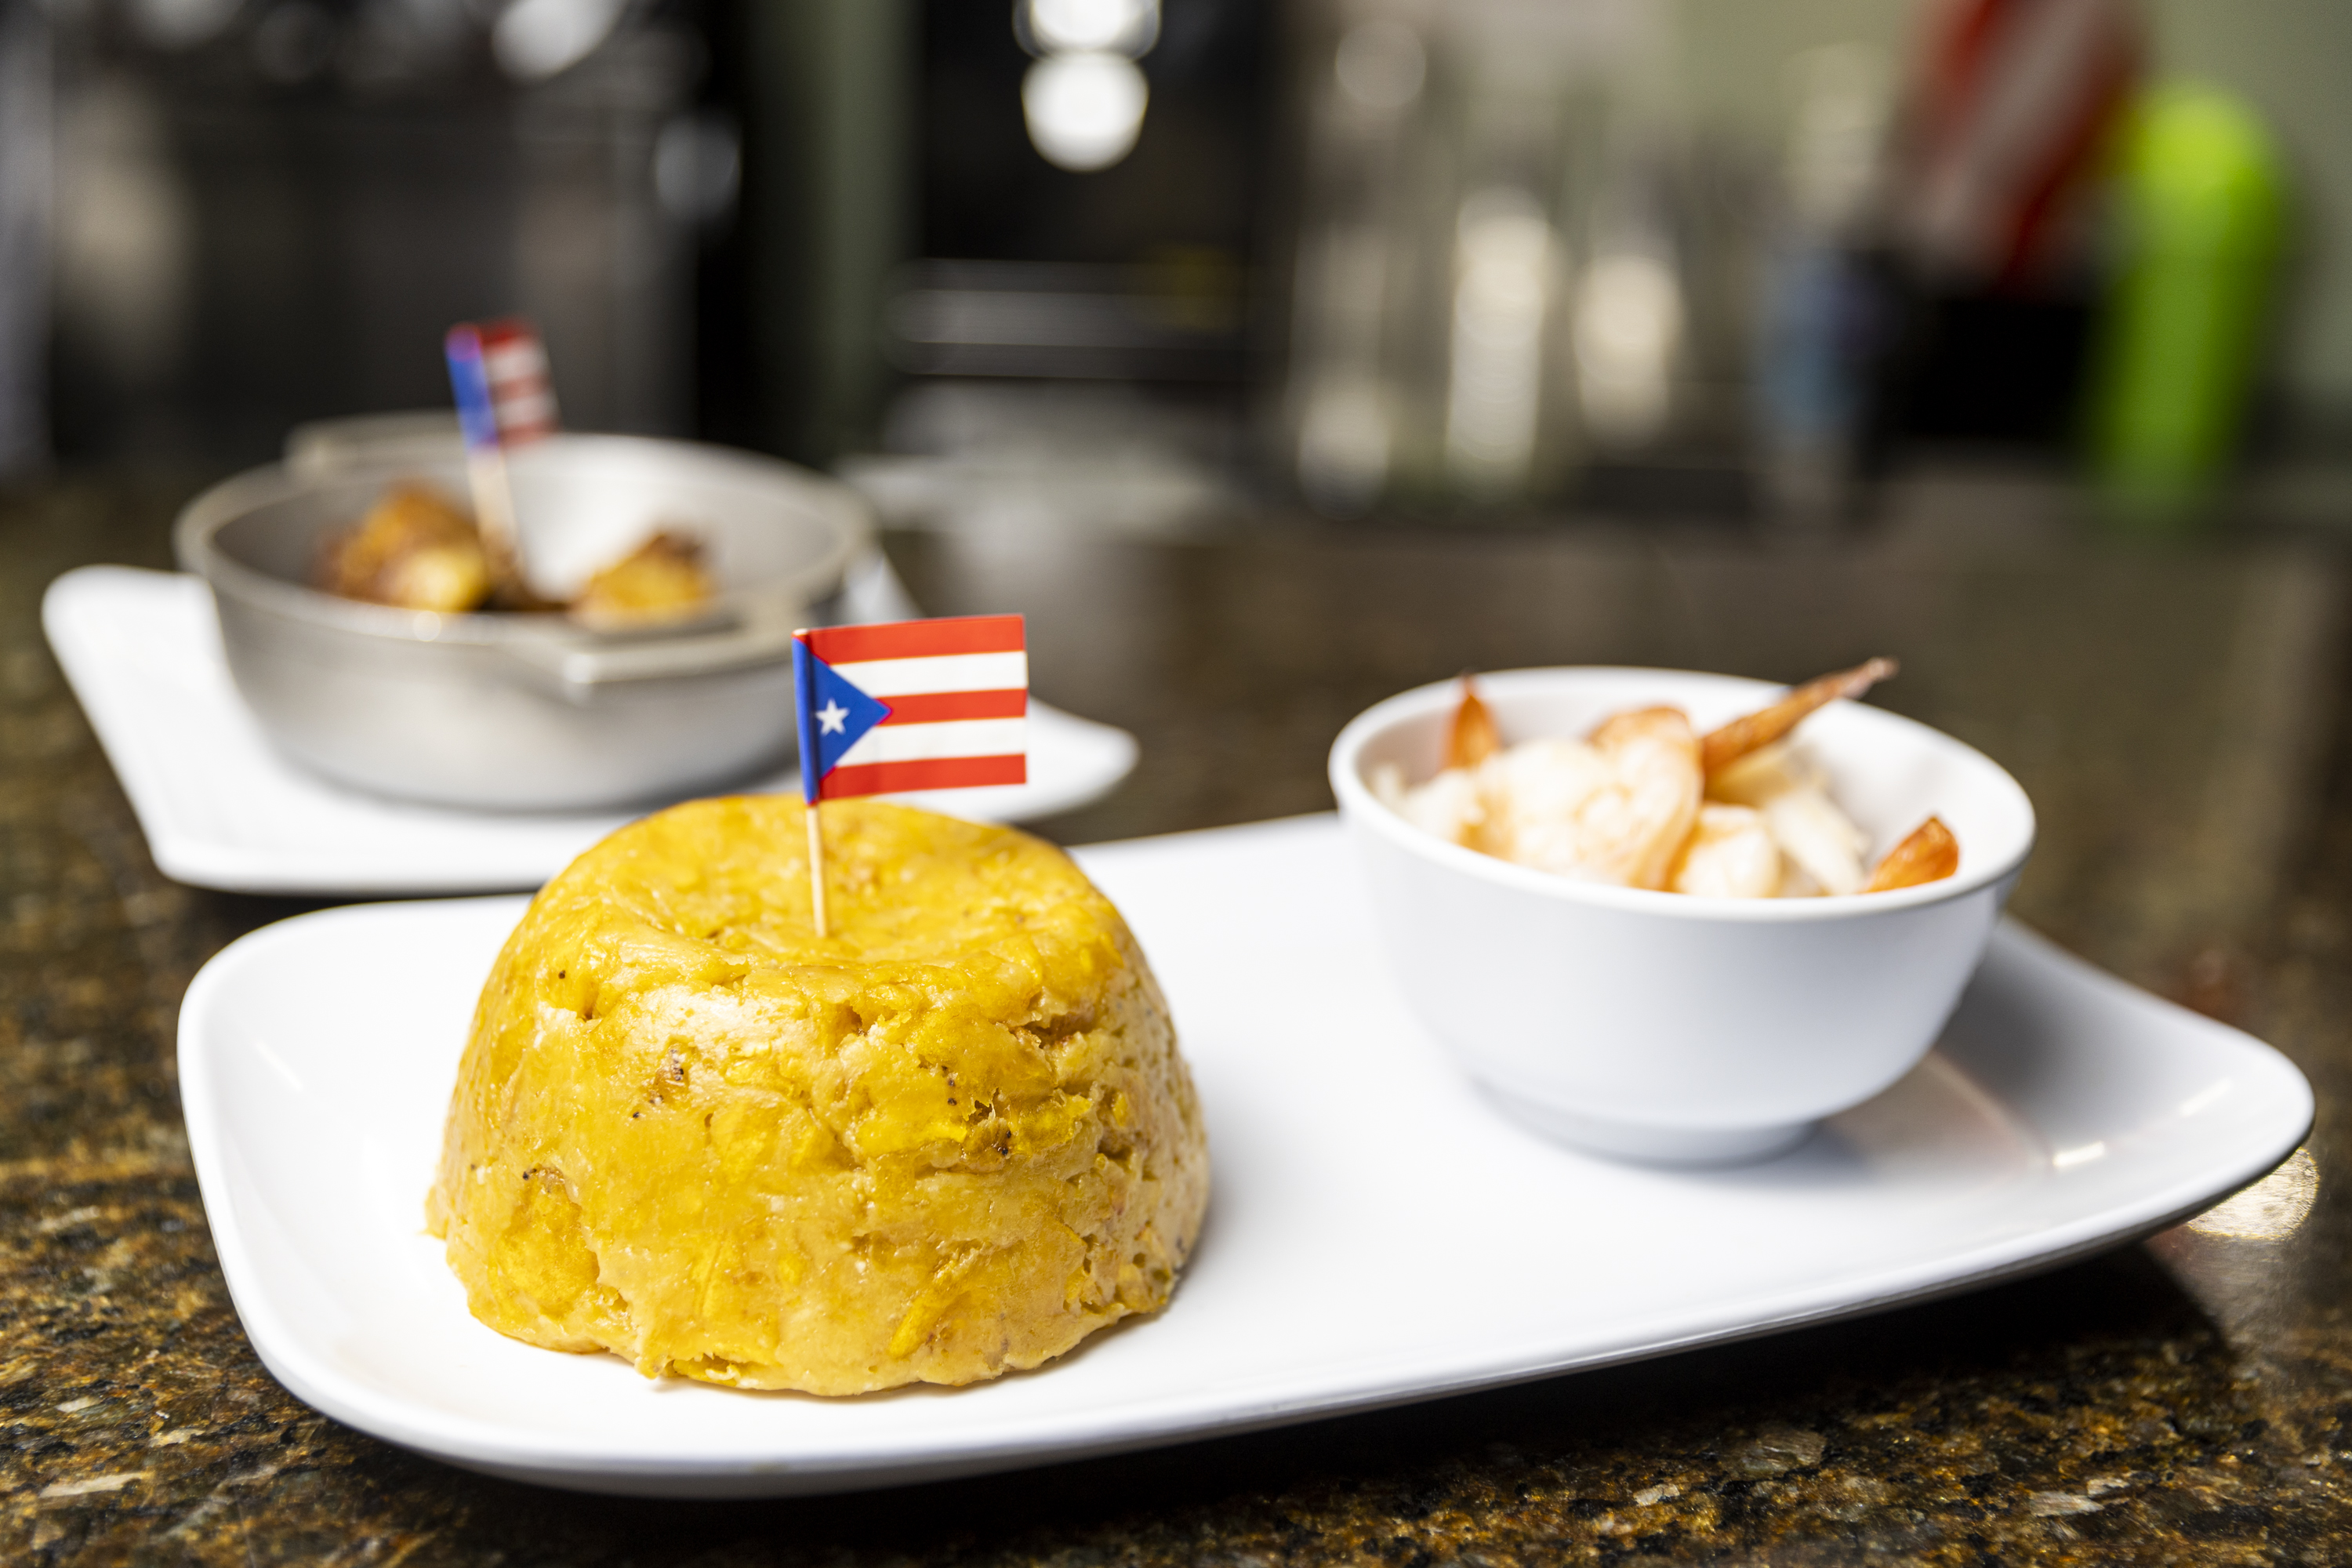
835	715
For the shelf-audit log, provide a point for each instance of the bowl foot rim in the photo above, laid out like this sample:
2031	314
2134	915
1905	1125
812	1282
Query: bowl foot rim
1650	1144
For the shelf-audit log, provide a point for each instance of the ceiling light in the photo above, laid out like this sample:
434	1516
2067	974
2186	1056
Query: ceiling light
1086	110
1125	27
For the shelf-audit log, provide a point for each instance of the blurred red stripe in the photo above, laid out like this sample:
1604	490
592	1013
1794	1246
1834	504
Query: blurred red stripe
938	773
938	707
918	640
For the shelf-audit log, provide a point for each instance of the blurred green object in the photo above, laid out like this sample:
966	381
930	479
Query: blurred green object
2200	193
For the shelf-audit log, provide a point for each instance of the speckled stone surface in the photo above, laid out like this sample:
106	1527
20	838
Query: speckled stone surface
2177	714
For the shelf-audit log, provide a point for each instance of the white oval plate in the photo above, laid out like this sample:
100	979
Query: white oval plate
1377	1234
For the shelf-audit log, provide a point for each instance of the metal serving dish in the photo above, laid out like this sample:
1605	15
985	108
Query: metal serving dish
530	712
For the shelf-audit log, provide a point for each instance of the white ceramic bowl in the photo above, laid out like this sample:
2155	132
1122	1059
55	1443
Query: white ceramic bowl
1660	1025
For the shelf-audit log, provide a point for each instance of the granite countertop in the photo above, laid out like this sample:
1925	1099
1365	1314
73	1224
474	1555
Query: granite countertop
2177	714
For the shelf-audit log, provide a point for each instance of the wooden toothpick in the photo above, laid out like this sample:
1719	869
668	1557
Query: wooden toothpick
494	512
816	867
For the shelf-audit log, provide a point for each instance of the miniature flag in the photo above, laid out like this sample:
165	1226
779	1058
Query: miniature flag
907	705
500	374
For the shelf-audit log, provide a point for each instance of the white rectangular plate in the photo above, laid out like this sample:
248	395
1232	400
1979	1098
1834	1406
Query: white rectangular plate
1377	1233
221	808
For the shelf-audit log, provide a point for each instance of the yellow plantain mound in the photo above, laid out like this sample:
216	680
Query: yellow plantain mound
950	1141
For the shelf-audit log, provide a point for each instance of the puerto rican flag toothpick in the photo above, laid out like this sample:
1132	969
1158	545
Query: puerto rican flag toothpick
498	372
908	705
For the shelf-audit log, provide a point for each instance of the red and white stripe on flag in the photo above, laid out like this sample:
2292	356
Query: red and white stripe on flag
521	395
2013	107
958	691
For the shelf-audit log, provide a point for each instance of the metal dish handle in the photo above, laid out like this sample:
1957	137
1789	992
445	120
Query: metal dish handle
580	669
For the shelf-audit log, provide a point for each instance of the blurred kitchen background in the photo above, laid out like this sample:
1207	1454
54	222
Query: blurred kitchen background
1146	264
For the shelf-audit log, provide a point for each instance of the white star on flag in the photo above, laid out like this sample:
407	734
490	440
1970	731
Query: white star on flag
833	717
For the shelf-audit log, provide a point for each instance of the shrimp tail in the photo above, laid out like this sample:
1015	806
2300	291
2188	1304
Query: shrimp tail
1721	748
1471	738
1929	854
